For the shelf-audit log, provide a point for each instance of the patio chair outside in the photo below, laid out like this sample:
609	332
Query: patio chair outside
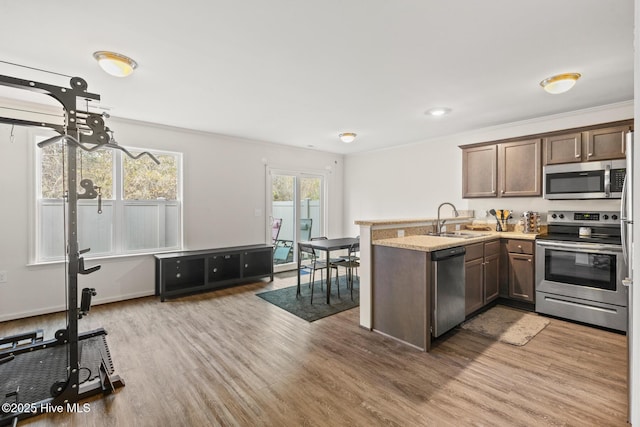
283	252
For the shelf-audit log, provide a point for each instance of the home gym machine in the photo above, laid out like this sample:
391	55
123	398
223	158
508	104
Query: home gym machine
38	375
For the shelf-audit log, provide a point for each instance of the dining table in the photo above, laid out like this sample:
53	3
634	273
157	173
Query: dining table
328	245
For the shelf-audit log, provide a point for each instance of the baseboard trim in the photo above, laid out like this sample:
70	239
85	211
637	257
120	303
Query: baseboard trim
61	308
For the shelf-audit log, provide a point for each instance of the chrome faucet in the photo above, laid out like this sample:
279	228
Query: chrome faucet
438	223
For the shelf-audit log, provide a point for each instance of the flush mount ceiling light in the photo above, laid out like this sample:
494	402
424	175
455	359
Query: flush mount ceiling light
114	63
560	83
438	111
347	137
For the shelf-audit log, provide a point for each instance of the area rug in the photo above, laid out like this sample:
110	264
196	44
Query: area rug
301	306
508	325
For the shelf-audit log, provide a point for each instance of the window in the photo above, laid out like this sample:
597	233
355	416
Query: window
141	206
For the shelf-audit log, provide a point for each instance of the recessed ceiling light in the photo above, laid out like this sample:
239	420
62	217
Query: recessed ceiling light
438	111
114	63
560	83
347	137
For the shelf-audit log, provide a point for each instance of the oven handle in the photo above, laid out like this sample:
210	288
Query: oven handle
581	246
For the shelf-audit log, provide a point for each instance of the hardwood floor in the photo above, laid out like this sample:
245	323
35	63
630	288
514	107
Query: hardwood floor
230	358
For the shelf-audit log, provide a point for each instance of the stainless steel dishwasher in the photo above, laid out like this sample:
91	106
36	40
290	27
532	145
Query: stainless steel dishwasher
448	289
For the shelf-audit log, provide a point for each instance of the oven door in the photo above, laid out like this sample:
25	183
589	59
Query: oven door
589	271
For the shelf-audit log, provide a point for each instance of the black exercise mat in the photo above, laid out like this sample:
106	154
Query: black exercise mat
33	373
301	306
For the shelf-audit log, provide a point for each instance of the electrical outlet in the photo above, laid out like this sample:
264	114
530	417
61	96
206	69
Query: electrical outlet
3	277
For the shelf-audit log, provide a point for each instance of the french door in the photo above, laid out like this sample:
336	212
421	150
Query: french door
296	202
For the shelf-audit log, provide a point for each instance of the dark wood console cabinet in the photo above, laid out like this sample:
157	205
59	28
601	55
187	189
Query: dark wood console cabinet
180	273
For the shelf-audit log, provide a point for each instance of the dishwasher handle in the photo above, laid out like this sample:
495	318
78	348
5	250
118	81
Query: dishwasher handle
448	253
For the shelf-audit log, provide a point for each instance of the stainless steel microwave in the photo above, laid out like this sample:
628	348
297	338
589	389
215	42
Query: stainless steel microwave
587	180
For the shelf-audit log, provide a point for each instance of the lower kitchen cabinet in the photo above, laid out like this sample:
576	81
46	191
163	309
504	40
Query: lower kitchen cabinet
473	292
180	273
482	279
521	269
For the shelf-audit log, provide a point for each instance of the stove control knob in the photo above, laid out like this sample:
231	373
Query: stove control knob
561	216
614	217
605	216
554	216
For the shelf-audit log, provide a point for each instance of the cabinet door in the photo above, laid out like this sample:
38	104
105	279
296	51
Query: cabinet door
565	148
520	168
182	274
521	277
606	144
473	292
479	171
491	277
224	267
257	263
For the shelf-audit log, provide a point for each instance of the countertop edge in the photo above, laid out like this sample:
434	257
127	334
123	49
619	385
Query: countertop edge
426	243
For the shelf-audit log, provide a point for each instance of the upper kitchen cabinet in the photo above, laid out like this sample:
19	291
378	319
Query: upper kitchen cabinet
606	143
480	171
509	169
520	168
566	148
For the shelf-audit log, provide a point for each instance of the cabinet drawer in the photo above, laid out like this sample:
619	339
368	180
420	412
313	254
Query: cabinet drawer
474	251
520	246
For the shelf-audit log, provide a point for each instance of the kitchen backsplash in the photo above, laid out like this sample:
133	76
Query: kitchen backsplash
518	205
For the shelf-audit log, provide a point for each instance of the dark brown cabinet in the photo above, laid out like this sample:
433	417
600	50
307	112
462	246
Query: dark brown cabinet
606	144
480	171
482	266
180	273
597	144
510	169
520	271
563	148
520	168
514	168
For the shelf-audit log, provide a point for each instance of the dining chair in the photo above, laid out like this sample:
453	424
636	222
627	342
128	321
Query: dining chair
349	262
311	262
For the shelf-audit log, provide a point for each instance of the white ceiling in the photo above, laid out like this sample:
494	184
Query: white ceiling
299	72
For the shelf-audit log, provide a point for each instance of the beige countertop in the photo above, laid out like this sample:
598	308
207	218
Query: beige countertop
428	243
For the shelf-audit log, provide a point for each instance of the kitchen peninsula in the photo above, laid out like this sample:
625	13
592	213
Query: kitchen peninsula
395	273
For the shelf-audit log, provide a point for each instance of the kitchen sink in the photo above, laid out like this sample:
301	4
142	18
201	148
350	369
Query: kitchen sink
459	234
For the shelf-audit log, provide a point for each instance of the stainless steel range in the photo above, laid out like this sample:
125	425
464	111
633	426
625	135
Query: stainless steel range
580	268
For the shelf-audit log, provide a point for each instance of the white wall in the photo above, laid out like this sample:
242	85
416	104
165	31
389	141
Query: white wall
411	181
224	183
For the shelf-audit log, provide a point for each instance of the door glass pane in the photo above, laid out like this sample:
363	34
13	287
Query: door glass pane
282	196
310	212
